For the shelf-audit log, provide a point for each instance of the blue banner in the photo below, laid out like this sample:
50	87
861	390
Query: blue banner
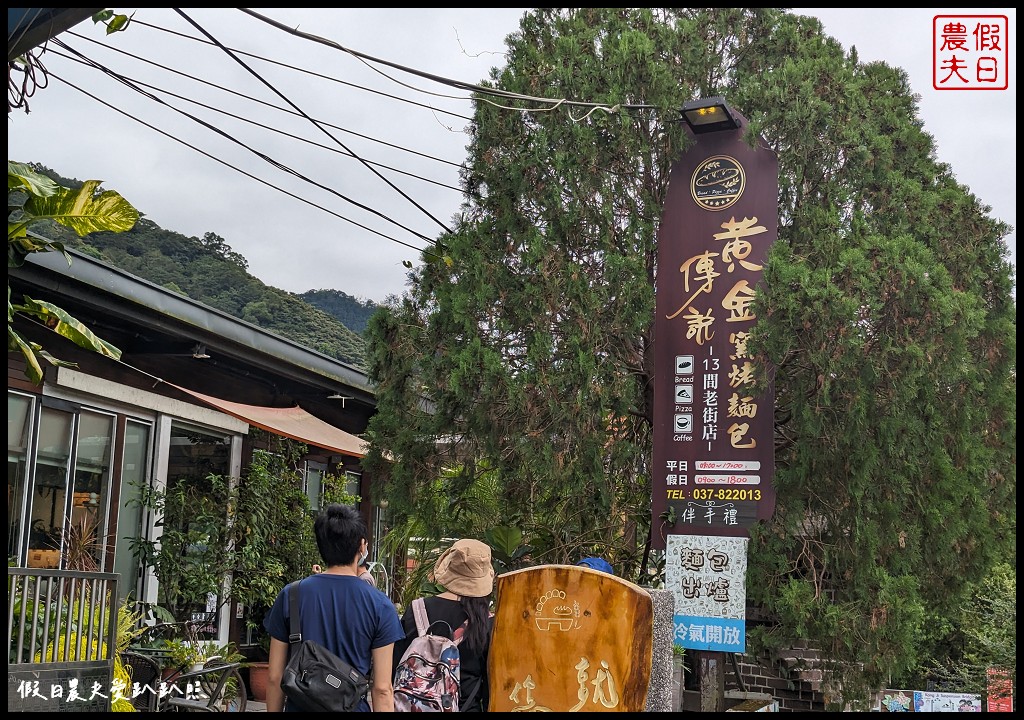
710	633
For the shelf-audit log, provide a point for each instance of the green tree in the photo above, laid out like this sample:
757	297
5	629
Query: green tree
272	526
985	636
523	347
354	313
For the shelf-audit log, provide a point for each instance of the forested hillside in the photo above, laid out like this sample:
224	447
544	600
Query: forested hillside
354	313
207	270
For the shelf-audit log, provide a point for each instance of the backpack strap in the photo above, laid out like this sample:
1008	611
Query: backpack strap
295	636
419	611
423	624
468	702
459	637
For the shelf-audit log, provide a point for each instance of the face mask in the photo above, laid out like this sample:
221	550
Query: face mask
362	558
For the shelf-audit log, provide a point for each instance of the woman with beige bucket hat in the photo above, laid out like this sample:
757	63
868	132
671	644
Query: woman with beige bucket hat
466	573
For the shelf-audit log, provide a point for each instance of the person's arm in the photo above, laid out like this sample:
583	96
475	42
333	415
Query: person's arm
275	671
381	692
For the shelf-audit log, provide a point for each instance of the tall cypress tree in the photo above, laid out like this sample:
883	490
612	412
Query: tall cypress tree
521	355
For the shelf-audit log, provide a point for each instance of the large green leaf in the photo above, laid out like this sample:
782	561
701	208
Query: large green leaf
32	367
20	247
21	177
64	324
505	540
84	211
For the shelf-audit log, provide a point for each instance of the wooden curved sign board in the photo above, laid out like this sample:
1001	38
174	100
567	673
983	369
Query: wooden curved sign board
570	639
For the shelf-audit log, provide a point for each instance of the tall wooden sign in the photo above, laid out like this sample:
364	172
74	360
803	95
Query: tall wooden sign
570	639
713	432
713	441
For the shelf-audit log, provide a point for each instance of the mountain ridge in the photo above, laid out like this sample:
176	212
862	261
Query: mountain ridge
207	270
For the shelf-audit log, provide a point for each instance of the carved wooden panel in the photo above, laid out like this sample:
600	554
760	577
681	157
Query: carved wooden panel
570	639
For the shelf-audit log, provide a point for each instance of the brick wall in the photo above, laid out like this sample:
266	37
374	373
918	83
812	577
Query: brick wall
792	682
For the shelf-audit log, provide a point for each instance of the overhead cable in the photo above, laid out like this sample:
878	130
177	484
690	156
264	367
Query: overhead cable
320	127
258	100
281	166
238	169
288	66
443	80
265	127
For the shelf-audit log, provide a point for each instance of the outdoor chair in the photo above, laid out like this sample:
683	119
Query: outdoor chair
146	672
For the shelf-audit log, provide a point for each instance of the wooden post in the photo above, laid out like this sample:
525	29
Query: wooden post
711	680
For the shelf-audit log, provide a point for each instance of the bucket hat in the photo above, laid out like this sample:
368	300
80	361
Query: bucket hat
465	569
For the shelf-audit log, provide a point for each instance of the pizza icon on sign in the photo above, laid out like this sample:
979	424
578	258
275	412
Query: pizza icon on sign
684	394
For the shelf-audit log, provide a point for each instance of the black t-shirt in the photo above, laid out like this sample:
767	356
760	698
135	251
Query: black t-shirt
472	663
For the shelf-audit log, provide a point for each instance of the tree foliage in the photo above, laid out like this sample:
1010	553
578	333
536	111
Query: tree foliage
523	360
272	526
985	637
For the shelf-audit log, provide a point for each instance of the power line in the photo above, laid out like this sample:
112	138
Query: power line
267	127
320	127
239	170
443	80
193	38
264	102
263	156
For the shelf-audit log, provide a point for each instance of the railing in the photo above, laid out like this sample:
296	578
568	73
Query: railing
61	629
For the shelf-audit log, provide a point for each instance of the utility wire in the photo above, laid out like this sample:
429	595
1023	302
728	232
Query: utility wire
261	125
28	64
443	80
263	156
238	169
318	125
264	102
193	38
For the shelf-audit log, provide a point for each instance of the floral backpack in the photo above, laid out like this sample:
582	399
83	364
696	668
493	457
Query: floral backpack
427	677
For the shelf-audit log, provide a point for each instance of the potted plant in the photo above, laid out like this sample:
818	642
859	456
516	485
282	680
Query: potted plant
258	671
192	655
185	655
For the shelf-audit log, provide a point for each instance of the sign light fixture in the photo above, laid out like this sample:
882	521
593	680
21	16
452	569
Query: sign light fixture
708	115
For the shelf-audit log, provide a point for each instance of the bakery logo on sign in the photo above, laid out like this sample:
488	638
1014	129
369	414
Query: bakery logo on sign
718	182
553	612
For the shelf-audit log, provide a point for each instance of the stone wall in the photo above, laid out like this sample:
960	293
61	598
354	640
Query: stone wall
659	692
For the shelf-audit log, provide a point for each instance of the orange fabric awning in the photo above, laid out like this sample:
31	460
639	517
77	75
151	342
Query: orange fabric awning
293	422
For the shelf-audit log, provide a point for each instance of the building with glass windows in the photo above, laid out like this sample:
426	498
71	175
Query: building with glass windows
191	385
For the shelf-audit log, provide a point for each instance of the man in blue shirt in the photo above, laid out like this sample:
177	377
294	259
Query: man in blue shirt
348	616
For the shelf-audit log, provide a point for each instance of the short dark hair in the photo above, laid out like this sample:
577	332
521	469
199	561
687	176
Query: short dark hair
340	530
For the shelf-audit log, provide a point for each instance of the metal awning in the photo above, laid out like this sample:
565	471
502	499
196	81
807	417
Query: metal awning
292	422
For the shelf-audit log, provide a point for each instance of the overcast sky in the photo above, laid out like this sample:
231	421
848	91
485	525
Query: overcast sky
355	226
